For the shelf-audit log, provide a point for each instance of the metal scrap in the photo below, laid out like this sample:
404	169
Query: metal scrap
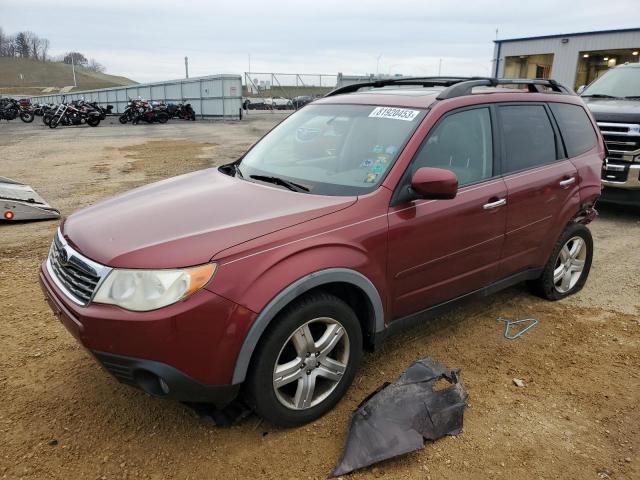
20	202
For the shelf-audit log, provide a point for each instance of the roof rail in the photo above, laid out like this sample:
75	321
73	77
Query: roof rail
420	81
533	85
456	86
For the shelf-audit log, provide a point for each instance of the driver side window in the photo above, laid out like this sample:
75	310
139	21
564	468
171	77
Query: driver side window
461	142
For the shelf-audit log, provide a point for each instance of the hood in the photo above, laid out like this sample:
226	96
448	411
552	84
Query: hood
614	110
186	220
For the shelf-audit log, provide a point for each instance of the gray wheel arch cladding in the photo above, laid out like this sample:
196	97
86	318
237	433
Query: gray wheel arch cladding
293	291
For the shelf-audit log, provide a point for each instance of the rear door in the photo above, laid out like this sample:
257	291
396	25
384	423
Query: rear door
542	185
441	249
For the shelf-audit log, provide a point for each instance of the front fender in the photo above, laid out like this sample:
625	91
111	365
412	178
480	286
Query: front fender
293	291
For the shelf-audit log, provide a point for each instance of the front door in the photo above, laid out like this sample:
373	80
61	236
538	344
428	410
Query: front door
441	249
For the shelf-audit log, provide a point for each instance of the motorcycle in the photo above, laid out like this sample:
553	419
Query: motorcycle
181	111
8	110
75	113
24	107
142	110
40	109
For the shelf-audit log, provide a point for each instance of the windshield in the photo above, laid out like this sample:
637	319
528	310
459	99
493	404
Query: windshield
332	149
618	82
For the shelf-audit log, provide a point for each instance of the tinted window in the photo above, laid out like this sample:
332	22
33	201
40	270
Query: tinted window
529	140
462	143
575	127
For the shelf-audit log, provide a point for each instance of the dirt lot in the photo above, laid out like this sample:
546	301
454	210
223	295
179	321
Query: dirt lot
62	416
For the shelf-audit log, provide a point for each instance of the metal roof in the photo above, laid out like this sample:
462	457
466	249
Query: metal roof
563	35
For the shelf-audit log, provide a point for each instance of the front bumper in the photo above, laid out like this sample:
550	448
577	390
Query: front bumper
162	380
621	175
192	345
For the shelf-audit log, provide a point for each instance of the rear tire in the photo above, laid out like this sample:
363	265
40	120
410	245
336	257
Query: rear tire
568	266
306	361
123	119
27	117
162	117
93	121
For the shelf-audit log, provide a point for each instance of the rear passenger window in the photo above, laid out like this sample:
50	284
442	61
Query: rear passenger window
462	143
528	137
575	127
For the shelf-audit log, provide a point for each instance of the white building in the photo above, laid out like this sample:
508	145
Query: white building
572	59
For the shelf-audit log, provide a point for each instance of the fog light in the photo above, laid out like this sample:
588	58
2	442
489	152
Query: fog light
8	215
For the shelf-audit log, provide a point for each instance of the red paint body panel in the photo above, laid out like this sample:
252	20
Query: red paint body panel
186	220
440	249
264	238
200	336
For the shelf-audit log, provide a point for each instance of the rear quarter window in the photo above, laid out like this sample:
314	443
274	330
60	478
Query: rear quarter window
575	127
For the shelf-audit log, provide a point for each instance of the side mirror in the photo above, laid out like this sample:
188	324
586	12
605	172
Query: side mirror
581	89
434	183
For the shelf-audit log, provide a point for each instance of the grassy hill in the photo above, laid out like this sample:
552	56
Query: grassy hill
38	75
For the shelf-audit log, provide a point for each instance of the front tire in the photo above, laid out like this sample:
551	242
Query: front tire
568	267
305	361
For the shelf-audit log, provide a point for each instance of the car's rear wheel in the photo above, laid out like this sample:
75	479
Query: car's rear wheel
306	362
568	267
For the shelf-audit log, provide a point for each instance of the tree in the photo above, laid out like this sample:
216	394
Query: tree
76	58
94	66
44	49
22	44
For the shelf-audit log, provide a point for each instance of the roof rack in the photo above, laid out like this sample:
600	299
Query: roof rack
533	85
457	86
419	81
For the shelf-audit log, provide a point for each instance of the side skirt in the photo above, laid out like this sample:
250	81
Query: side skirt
422	316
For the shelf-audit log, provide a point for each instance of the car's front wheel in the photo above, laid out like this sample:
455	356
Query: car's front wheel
306	361
568	267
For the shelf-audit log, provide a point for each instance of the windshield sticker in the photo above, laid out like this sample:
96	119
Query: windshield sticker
378	168
394	113
371	178
378	148
391	150
367	163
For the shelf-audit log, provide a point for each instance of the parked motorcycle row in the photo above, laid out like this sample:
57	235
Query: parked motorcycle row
80	112
151	112
11	108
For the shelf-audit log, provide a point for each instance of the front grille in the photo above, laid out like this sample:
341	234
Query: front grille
75	274
622	139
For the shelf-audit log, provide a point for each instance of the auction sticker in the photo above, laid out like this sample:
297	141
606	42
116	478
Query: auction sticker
394	113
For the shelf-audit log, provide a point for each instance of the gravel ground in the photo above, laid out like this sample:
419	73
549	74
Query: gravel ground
62	416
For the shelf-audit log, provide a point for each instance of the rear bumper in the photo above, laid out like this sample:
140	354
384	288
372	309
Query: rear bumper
162	380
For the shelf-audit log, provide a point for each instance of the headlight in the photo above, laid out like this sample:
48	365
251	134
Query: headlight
144	290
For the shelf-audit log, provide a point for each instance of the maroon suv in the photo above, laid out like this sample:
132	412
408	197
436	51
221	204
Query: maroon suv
366	211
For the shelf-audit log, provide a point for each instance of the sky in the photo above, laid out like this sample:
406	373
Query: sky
147	40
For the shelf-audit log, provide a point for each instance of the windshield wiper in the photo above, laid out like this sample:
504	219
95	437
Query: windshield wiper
599	95
296	187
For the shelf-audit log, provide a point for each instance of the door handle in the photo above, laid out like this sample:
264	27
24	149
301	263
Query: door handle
495	204
567	181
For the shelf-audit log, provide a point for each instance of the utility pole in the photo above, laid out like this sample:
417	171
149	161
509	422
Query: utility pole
249	63
73	69
186	67
378	64
440	67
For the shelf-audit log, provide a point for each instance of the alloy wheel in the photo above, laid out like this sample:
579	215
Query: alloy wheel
311	363
569	264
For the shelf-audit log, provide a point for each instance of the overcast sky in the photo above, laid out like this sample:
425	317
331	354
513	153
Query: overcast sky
147	40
